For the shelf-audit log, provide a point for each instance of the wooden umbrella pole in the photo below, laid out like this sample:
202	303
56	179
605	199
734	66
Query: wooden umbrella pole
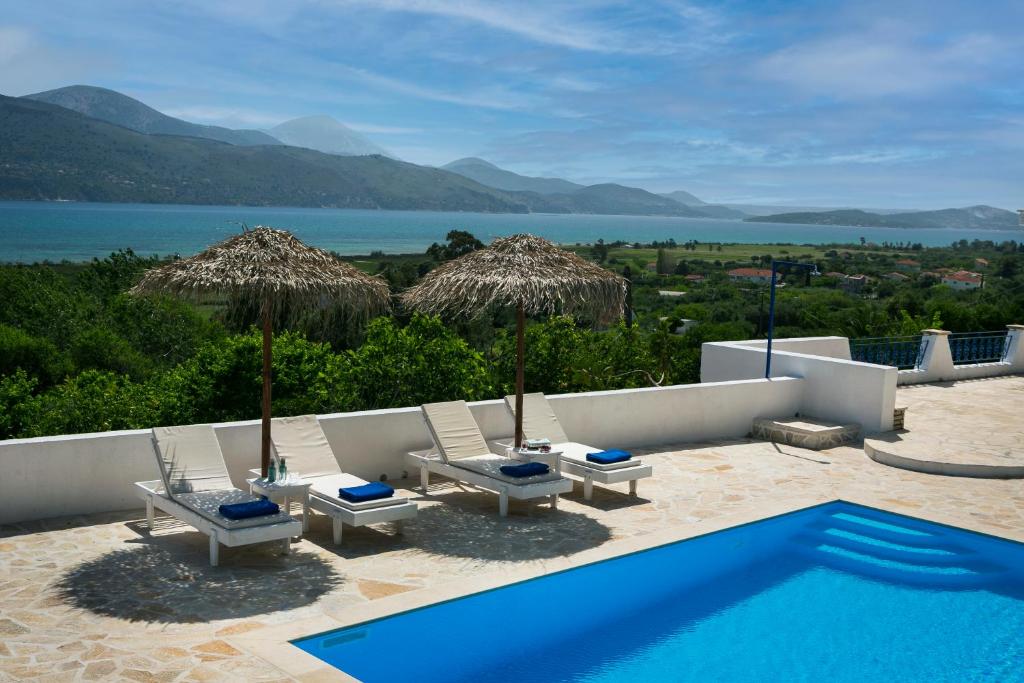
520	371
268	334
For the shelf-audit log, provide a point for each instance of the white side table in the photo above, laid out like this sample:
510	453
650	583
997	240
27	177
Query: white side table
283	492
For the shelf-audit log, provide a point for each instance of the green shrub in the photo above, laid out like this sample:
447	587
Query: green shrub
38	357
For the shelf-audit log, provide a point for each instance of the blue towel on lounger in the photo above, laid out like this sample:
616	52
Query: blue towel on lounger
527	469
254	508
360	494
609	457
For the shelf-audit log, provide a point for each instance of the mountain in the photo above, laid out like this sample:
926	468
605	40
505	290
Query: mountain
608	199
113	107
325	134
50	152
709	210
684	197
488	174
971	217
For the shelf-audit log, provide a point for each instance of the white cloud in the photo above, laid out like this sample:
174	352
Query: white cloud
879	64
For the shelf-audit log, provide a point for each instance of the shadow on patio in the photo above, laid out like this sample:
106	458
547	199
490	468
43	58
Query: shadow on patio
155	582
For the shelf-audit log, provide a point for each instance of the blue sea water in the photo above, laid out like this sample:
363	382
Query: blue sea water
56	231
787	599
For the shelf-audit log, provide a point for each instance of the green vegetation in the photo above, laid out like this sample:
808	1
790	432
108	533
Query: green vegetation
971	217
77	354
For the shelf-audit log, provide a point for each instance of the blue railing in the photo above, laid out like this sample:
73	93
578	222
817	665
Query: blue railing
903	352
977	347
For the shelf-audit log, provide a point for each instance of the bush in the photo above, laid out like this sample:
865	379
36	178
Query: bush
423	362
38	357
99	348
94	401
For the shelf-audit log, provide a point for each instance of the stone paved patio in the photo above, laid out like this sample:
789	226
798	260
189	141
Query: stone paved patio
970	426
98	598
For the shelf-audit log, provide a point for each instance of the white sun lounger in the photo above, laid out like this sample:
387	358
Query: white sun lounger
540	422
462	454
195	483
302	443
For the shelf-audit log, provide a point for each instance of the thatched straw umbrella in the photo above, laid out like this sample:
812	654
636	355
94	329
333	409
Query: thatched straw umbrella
274	270
525	272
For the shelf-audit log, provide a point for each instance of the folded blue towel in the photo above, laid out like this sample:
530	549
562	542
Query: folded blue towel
527	469
360	494
254	508
609	457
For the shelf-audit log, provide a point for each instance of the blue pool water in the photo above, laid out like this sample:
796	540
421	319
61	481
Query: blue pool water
836	592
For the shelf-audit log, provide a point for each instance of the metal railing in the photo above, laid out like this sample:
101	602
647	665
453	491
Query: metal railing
904	353
977	347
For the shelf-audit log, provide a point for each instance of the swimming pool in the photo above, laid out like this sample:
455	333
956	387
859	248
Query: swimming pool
838	592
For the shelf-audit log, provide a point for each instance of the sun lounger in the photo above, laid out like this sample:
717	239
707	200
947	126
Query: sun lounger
540	422
302	443
194	484
462	454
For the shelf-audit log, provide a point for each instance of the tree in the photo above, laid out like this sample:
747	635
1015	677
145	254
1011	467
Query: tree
459	242
600	250
665	263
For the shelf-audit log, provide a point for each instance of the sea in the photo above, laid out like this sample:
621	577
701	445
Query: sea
77	231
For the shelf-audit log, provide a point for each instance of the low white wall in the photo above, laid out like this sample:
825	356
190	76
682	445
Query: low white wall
836	389
937	360
827	347
86	473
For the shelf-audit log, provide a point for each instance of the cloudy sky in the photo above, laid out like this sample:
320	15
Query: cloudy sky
884	104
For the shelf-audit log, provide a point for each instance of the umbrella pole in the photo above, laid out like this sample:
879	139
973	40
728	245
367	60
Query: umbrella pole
520	370
267	355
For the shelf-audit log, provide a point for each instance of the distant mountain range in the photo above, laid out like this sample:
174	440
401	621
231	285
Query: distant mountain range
488	174
557	195
325	134
972	217
321	133
93	144
113	107
48	152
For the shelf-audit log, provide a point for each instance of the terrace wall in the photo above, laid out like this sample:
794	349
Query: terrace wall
86	473
836	388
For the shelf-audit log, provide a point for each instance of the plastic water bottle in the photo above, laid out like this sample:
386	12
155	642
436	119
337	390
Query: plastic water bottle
272	473
282	474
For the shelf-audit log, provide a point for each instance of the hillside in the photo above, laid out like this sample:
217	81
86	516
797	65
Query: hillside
49	152
971	217
113	107
684	197
608	199
325	134
490	175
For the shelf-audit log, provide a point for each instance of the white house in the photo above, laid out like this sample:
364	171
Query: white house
964	279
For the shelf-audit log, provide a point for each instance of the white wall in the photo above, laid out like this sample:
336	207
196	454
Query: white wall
85	473
828	347
836	389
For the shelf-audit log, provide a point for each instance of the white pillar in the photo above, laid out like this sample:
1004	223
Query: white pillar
937	362
1015	347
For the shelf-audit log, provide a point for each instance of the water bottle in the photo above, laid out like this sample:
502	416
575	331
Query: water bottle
282	474
272	473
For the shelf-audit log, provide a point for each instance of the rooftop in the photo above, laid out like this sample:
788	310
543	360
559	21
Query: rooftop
96	596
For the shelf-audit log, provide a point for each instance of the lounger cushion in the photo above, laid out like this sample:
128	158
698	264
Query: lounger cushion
328	487
207	504
303	444
190	459
490	465
454	430
539	421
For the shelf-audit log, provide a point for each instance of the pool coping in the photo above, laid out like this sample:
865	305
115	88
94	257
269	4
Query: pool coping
276	648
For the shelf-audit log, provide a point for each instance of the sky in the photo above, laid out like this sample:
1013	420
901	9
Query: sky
894	104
